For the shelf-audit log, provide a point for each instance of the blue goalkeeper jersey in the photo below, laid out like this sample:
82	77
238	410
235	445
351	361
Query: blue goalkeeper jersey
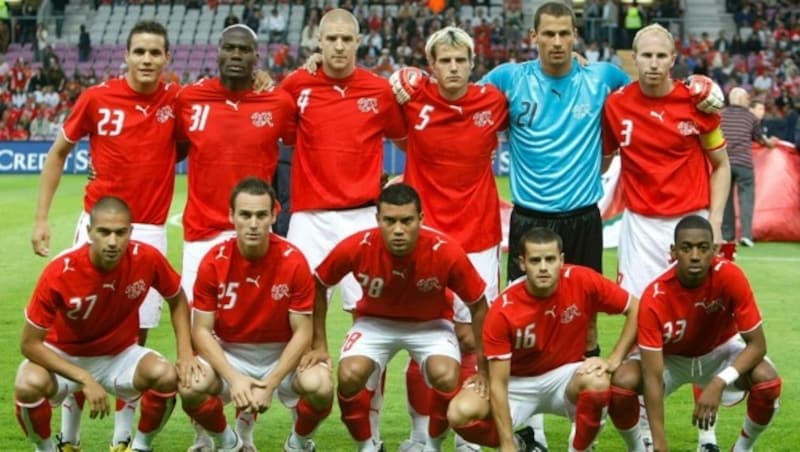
554	132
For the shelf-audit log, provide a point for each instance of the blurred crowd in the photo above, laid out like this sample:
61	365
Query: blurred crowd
761	55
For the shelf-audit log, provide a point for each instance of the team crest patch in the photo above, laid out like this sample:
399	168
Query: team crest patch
262	118
280	291
368	104
710	305
164	114
136	289
581	111
687	128
429	284
569	314
483	118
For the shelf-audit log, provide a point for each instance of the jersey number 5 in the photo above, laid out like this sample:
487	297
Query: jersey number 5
110	123
424	116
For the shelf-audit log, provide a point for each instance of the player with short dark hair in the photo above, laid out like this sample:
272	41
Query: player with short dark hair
690	322
82	329
250	349
534	337
208	111
406	273
130	123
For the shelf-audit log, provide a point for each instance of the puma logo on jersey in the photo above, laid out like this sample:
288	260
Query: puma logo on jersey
439	243
142	109
221	253
400	273
457	108
658	115
253	281
550	312
110	286
657	291
66	266
554	91
232	104
342	90
365	240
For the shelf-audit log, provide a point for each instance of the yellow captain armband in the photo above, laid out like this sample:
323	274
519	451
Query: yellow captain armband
713	140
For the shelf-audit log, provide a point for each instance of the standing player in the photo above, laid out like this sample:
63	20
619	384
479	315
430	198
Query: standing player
207	113
218	159
130	123
452	136
665	146
81	331
406	273
344	113
251	349
690	321
534	340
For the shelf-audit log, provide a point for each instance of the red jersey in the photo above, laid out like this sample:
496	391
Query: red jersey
692	322
338	160
411	288
232	135
542	334
131	141
449	161
252	299
88	312
665	171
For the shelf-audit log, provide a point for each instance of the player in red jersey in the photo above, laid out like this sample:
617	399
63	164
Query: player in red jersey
452	136
130	124
251	349
534	338
344	114
207	111
406	272
665	145
690	321
82	328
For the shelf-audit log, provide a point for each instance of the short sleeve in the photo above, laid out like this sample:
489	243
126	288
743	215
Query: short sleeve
496	334
42	307
167	281
337	263
80	123
205	286
303	288
649	334
610	142
464	280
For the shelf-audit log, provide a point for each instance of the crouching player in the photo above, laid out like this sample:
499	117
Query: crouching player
534	338
82	329
253	299
689	322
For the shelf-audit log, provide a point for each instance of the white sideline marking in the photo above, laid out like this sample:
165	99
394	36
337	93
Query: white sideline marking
768	258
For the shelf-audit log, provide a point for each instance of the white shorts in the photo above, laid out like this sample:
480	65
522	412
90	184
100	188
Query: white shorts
644	244
152	234
193	253
113	372
258	361
487	262
316	232
546	393
380	339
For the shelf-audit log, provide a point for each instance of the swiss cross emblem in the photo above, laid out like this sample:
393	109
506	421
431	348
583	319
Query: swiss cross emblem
164	113
262	118
483	118
368	104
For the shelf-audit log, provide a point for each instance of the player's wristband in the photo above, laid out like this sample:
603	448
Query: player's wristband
728	375
592	353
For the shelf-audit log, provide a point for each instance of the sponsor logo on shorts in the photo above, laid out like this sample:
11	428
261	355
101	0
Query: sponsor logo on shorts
135	289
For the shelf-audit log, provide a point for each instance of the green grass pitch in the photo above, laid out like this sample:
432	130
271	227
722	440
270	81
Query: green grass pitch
771	267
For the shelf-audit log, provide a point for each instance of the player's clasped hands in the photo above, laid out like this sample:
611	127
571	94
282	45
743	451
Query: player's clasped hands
243	392
594	365
707	405
262	398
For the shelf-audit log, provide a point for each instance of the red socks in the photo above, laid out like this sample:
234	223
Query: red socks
308	417
588	416
208	414
623	408
355	414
